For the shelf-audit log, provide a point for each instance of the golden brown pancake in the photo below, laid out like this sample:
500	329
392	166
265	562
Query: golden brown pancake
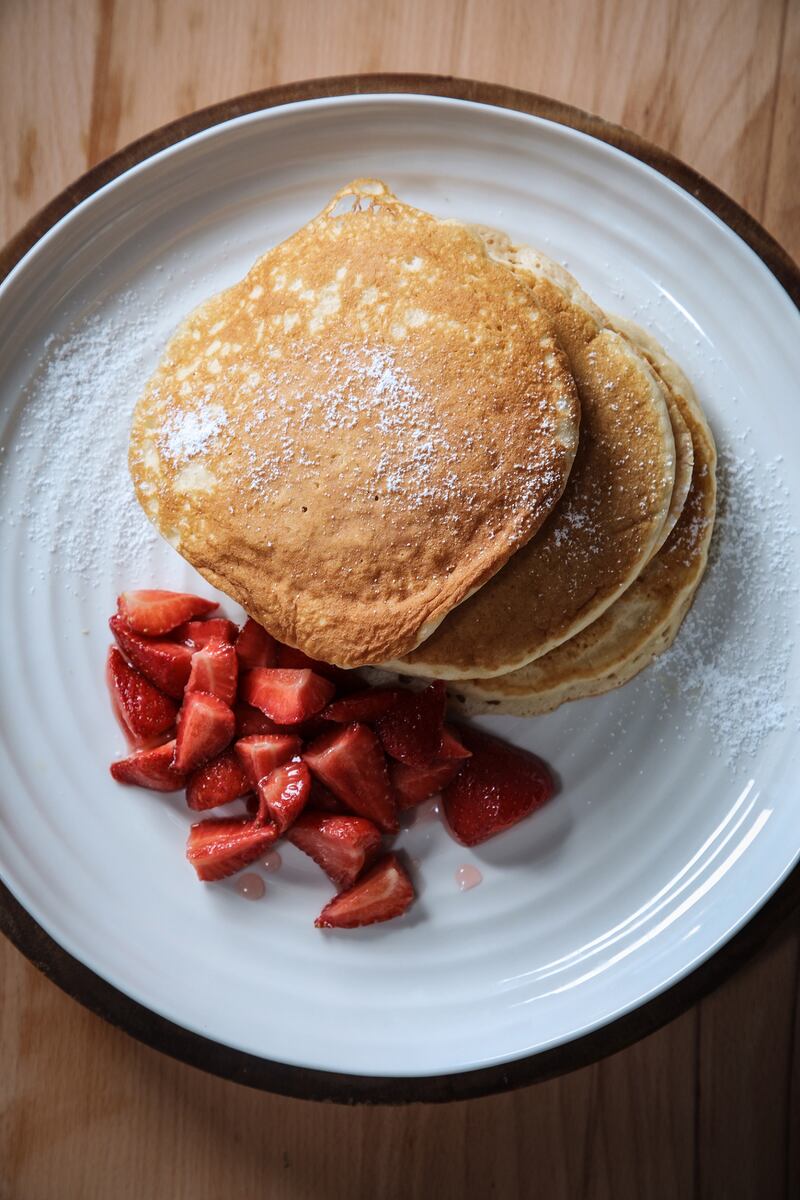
609	519
361	432
645	619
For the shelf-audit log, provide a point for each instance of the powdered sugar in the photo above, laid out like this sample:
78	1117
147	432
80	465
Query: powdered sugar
69	491
187	432
730	661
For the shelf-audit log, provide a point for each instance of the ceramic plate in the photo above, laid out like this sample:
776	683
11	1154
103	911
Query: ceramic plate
677	815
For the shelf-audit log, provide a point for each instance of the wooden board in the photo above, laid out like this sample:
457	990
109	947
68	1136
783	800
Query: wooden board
710	1105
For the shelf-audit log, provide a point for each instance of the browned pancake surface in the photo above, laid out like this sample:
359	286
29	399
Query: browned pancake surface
361	432
607	523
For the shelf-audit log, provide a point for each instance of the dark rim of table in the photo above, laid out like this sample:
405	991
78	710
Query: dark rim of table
304	1083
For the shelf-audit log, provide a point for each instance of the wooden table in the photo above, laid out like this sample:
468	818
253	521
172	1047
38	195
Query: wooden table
710	1105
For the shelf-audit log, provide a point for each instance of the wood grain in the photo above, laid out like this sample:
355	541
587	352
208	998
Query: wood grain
708	1107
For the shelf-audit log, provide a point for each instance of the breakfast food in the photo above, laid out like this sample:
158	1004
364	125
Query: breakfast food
645	619
410	448
612	512
334	779
361	432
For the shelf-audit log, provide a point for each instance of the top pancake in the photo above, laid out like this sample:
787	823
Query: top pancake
361	432
609	519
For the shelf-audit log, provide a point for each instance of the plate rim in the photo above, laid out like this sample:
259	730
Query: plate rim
118	1009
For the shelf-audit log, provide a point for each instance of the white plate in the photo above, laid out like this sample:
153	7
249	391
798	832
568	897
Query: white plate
678	812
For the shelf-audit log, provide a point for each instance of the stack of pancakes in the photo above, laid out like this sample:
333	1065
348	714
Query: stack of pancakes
408	442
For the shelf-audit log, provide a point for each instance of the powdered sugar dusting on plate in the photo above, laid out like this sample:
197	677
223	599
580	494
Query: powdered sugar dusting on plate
730	661
66	485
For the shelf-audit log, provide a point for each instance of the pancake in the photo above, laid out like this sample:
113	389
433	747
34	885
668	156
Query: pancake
361	432
644	621
611	515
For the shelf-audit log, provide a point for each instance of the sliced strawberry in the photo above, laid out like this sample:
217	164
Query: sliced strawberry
205	727
251	720
341	845
199	633
254	646
323	800
413	784
142	709
412	731
364	706
451	746
261	753
156	612
214	670
220	846
151	769
283	794
287	697
351	763
385	892
290	657
165	664
217	782
498	786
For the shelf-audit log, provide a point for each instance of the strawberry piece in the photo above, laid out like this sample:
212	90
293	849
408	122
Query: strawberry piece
217	782
214	670
413	784
155	612
364	706
165	664
142	709
254	646
220	846
205	727
412	731
351	763
251	720
341	845
290	657
287	697
198	634
261	753
495	788
283	794
385	892
323	800
451	746
151	769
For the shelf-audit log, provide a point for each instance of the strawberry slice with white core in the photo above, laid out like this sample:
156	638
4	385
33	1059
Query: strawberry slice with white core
413	784
197	634
214	670
364	706
286	696
283	794
412	730
352	764
290	656
254	646
143	711
217	782
150	769
342	845
384	892
496	787
154	613
205	727
221	846
166	664
263	752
